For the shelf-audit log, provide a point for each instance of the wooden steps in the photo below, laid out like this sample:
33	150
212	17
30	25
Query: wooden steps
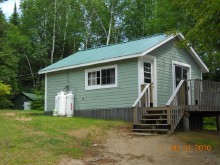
151	130
153	120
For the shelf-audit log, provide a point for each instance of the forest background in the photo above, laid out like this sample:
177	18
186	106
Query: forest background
45	31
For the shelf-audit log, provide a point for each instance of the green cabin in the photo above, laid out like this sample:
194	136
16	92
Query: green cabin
111	77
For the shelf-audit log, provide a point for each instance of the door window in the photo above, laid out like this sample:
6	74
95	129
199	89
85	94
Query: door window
180	74
147	72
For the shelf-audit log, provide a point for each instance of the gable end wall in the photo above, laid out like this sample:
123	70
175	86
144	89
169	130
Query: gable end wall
164	55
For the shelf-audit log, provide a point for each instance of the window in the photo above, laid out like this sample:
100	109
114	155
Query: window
147	72
104	77
94	78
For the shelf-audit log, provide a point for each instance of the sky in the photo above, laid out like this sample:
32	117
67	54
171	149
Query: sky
8	7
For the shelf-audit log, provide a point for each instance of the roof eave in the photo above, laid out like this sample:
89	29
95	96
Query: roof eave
91	63
195	55
179	35
109	60
198	59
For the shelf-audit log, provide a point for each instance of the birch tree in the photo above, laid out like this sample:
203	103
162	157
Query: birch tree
54	31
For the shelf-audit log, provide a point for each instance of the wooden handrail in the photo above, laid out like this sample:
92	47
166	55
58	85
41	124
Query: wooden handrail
176	105
141	95
174	93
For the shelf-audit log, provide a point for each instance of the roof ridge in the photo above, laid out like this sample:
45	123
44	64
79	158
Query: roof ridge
141	38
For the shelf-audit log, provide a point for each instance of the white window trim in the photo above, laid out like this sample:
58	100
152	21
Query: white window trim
173	70
87	87
189	75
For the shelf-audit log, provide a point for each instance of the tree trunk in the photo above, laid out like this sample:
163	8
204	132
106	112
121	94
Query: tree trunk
29	64
54	31
64	36
109	27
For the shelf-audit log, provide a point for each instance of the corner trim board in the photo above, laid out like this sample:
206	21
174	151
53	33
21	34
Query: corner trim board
45	94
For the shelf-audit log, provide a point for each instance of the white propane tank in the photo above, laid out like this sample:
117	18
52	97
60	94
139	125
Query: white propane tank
61	104
69	104
56	105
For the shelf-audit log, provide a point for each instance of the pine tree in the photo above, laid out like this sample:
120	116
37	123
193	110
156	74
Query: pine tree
15	19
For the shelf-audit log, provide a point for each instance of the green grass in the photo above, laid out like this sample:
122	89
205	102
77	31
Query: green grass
201	138
29	137
209	123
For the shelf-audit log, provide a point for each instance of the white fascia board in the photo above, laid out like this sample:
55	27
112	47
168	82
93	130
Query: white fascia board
198	59
180	36
91	63
195	55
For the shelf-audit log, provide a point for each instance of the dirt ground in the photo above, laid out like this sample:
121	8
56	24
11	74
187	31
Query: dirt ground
122	148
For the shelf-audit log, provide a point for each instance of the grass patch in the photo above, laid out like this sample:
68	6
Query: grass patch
209	123
201	138
29	137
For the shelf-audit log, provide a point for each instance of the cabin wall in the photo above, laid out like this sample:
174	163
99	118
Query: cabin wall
121	96
164	56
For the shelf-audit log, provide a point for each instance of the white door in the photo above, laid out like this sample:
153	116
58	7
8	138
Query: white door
147	76
182	72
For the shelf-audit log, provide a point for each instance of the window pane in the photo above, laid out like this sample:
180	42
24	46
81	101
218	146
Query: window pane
93	74
108	76
93	81
148	75
89	82
103	73
178	71
98	74
112	73
147	72
89	75
104	81
98	81
108	72
108	80
146	80
112	81
94	78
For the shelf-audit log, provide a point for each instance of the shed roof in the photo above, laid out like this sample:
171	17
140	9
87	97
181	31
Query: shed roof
114	52
31	96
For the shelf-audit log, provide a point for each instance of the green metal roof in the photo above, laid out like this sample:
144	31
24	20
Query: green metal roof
31	96
106	53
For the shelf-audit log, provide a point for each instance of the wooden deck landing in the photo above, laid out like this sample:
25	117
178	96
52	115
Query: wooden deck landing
198	97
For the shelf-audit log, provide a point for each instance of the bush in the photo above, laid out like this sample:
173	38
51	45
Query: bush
38	104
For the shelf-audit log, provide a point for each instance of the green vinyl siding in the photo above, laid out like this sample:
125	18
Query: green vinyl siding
164	56
123	95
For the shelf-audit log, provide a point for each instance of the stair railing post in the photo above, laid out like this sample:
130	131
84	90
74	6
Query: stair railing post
148	97
135	113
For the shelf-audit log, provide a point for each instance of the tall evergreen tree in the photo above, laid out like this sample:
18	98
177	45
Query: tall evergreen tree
14	19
